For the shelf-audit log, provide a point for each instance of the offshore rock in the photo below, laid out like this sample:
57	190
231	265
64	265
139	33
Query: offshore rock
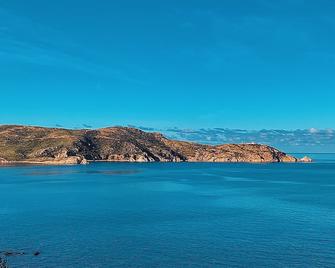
306	159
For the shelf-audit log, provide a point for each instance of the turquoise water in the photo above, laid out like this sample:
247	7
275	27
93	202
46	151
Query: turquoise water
170	215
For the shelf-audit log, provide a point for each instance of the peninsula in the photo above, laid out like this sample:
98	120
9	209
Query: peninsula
55	146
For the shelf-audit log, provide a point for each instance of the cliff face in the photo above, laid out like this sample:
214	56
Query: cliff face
61	146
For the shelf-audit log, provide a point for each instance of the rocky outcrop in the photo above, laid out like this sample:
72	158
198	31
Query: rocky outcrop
62	146
3	161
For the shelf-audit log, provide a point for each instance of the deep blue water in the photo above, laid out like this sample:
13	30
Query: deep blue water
170	215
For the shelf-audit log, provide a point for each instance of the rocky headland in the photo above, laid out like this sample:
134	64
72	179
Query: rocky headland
55	146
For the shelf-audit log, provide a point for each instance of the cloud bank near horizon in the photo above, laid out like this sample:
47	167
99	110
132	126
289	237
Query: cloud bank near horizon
300	140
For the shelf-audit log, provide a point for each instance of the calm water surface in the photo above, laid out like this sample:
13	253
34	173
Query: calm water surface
170	215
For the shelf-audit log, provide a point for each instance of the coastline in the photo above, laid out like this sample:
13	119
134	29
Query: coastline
71	163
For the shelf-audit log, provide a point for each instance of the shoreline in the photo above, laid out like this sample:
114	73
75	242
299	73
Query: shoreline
66	163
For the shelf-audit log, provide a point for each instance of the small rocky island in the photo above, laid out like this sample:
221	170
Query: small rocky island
55	146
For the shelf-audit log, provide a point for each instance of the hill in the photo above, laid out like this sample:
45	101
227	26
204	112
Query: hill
27	144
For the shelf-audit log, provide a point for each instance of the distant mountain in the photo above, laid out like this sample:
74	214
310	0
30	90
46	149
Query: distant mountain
26	144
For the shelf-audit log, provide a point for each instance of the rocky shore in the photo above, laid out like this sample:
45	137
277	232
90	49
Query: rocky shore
54	146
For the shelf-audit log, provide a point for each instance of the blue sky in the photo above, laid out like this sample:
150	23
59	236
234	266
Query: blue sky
258	64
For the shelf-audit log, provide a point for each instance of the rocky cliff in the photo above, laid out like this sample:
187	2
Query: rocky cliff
63	146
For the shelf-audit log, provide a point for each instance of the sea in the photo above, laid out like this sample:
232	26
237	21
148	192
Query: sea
169	214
